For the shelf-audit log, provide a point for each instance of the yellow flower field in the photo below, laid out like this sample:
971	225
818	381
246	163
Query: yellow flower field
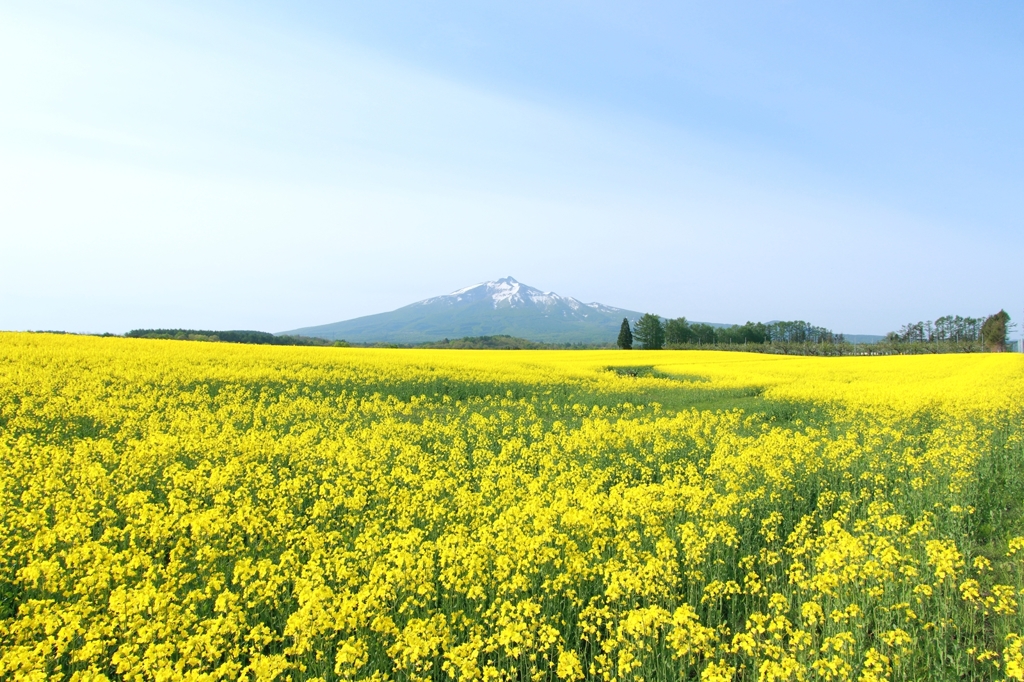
190	511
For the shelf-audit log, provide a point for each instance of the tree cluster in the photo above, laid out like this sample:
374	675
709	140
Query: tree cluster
948	334
947	328
955	331
654	333
494	342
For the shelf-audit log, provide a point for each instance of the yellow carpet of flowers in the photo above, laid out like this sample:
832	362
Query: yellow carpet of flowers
199	511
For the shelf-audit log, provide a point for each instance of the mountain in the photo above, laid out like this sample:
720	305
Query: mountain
863	338
487	309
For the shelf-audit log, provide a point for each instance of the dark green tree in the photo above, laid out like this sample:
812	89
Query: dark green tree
993	331
625	341
678	331
704	334
649	331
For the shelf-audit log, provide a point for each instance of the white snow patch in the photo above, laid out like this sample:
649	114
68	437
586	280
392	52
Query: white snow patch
470	288
504	291
509	292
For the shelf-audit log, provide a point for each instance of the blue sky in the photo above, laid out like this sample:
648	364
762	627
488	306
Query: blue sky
276	165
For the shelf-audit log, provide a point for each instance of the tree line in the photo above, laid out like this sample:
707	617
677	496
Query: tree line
495	342
946	328
500	342
991	332
950	333
653	333
233	336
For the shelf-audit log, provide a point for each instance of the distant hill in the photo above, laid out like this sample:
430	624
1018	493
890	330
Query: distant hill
862	338
502	308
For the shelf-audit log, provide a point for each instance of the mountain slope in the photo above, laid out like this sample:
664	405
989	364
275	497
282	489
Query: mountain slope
487	309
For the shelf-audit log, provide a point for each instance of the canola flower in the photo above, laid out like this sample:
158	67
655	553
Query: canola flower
186	511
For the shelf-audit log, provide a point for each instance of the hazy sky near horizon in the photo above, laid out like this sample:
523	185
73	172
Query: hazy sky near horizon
230	165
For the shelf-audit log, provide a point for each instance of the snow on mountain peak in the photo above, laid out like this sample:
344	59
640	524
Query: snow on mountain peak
511	293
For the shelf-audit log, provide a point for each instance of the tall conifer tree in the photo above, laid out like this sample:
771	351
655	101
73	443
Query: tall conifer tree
625	341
